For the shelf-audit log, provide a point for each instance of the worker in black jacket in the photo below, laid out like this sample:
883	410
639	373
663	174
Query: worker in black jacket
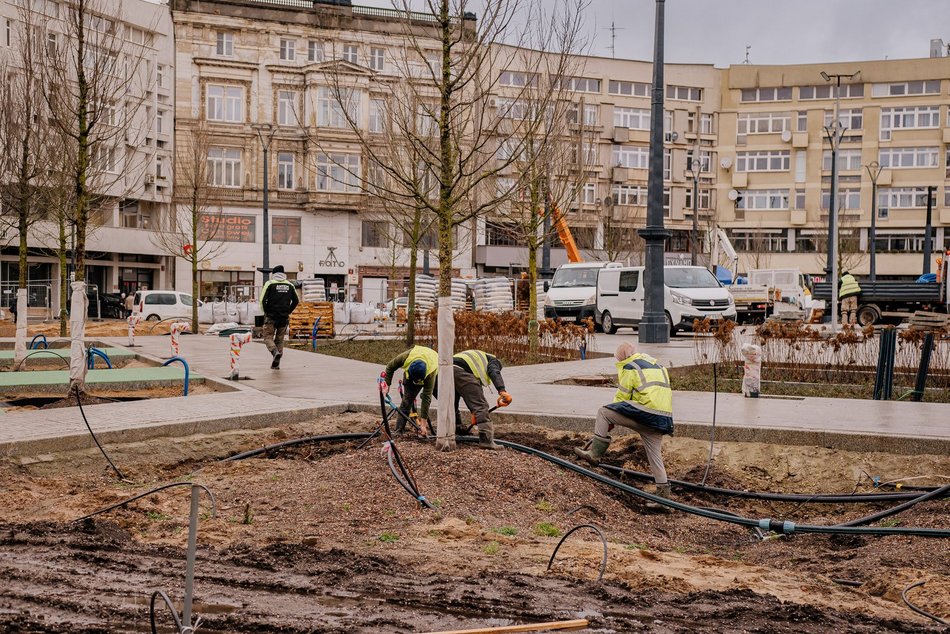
474	370
278	300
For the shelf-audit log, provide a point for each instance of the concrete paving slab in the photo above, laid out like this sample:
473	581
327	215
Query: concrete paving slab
57	381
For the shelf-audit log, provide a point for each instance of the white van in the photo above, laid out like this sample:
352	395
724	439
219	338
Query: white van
691	292
571	294
156	305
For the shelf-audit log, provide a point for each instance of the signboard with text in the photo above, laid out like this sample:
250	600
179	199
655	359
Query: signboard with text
227	227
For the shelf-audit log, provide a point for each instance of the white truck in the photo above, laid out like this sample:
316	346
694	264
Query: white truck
773	292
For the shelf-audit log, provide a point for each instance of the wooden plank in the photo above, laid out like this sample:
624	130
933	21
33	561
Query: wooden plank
563	626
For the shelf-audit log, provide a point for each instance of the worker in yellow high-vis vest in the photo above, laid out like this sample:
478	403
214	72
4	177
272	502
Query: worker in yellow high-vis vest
848	291
474	370
420	366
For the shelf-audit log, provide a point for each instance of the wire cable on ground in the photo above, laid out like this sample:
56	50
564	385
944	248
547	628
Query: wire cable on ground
171	608
921	611
712	432
942	491
93	434
603	539
816	498
41	351
150	492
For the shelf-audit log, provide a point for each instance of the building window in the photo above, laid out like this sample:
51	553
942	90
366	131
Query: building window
104	157
501	234
908	157
287	108
684	93
224	167
750	95
847	199
350	53
160	122
667	164
763	123
9	33
706	123
288	50
900	89
628	88
590	114
705	197
848	160
852	119
132	216
377	112
589	193
634	156
580	84
337	109
375	233
225	103
763	200
763	161
768	240
632	118
518	79
285	170
799	198
225	44
159	167
338	172
635	195
902	197
827	91
377	59
908	118
802	121
704	160
285	230
314	51
901	242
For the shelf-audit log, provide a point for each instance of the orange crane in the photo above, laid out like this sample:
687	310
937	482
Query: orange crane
564	233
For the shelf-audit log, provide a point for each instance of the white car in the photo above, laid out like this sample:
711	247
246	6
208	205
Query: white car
156	305
691	292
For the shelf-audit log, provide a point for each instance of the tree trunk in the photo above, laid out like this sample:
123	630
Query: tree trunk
63	274
533	337
194	267
411	308
19	345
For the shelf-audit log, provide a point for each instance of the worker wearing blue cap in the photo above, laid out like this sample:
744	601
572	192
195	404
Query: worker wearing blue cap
420	367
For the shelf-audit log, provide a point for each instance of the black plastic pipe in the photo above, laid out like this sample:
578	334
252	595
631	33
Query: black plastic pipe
899	508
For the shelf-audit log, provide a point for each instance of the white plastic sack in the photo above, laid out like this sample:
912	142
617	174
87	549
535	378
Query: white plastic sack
19	346
251	310
341	313
206	313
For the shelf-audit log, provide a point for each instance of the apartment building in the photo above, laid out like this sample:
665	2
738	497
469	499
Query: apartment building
610	113
774	168
131	171
251	72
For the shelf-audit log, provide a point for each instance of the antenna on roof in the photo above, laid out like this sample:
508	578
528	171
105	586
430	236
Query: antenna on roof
613	28
748	47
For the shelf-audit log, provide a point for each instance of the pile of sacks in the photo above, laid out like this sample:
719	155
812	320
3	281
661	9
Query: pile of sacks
427	290
459	293
313	290
229	312
493	294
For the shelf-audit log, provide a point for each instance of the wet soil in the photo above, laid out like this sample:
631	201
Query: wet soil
321	539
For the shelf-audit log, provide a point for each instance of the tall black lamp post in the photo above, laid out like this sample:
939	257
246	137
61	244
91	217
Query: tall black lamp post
654	328
874	170
266	133
693	167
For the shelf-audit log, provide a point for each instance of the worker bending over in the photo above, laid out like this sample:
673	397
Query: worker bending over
474	370
644	403
420	367
848	292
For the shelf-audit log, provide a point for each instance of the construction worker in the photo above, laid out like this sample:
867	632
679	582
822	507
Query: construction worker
420	366
473	370
848	291
278	300
644	403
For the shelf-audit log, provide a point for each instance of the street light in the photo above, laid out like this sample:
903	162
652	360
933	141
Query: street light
266	132
693	167
874	170
834	132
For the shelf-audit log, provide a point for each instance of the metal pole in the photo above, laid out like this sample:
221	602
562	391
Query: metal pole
425	261
695	237
653	328
873	235
266	211
832	267
190	561
928	235
546	241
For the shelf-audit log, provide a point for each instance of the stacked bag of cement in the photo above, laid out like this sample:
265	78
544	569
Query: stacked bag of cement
493	294
427	290
313	290
459	291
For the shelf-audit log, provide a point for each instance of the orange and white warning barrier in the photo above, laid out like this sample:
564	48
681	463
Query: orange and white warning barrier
238	340
133	322
177	328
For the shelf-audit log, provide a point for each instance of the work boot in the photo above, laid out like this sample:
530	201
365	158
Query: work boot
275	364
598	447
662	491
486	437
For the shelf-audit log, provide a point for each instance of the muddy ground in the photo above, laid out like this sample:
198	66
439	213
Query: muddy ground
322	539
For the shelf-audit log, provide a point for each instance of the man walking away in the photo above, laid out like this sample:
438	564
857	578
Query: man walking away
420	367
129	304
278	300
848	291
644	403
473	370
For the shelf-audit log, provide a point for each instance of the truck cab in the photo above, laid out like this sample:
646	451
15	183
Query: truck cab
572	292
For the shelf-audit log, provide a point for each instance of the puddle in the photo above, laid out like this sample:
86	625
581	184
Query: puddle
594	380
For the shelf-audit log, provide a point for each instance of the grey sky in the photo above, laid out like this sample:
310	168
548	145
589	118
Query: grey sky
779	31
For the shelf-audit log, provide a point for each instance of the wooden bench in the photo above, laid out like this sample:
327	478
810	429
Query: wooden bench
923	320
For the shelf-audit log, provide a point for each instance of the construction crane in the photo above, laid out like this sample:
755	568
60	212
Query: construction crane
564	233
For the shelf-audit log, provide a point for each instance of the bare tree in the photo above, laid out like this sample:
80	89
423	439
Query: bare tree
191	231
620	240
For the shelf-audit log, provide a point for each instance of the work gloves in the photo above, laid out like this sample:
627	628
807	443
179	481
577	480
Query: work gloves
504	399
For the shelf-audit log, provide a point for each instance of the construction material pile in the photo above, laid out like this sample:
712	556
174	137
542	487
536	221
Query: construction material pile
427	290
313	290
459	293
493	294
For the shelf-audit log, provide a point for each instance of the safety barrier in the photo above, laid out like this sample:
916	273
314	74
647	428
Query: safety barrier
238	341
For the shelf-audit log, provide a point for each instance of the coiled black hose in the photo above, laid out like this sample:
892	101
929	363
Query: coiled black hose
920	611
603	539
817	498
306	440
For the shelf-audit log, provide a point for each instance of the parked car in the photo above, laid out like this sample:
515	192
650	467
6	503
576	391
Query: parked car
156	305
571	294
690	292
110	306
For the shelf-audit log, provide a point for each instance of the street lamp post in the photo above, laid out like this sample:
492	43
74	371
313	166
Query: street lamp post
874	170
266	133
692	168
653	328
834	132
928	228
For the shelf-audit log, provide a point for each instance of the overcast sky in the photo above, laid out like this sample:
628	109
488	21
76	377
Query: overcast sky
779	31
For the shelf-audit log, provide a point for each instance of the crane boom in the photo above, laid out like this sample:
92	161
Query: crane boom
564	233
